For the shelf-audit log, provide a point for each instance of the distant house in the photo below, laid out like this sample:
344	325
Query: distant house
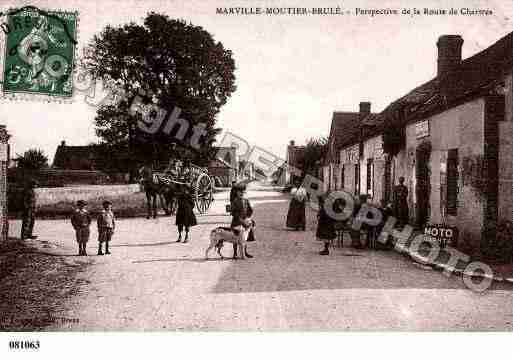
75	157
341	168
93	158
224	166
294	163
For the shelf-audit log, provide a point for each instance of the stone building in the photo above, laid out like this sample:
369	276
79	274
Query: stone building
451	138
294	163
375	165
224	166
341	168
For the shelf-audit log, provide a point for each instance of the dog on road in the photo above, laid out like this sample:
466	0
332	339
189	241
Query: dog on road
237	235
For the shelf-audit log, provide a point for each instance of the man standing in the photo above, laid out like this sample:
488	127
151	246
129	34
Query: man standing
233	192
241	210
401	203
29	209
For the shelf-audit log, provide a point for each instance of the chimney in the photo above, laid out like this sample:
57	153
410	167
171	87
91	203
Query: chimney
365	108
63	143
449	54
292	143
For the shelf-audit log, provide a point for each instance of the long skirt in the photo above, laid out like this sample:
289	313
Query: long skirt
185	215
402	212
296	217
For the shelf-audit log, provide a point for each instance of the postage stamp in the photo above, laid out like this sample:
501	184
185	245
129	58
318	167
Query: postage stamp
39	52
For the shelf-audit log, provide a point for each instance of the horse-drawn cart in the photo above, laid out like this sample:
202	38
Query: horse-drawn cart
196	177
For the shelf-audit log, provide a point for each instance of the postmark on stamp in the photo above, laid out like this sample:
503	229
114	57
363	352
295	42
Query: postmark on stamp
39	52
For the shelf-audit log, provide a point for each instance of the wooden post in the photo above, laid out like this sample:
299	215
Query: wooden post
4	162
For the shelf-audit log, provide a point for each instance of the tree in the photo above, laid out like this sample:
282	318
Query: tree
315	150
176	63
33	159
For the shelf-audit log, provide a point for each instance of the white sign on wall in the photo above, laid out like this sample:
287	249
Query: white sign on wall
422	129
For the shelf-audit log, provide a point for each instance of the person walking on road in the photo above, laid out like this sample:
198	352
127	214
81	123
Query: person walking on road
401	203
241	210
296	217
185	217
29	210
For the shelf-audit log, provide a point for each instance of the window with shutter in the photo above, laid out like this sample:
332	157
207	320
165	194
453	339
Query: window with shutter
370	176
342	177
356	179
452	182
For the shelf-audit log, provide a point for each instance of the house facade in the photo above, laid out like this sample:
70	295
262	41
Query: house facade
294	163
342	167
338	163
224	166
450	138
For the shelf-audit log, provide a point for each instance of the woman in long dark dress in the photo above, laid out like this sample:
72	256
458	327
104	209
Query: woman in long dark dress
325	226
401	203
185	217
296	217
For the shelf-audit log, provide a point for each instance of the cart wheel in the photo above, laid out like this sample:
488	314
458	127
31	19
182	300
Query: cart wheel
203	193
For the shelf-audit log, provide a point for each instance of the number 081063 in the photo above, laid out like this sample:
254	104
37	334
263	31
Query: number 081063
24	344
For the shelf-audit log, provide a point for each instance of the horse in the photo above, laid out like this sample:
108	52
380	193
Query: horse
155	187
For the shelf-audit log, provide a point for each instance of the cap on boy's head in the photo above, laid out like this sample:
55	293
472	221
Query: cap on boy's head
81	203
106	203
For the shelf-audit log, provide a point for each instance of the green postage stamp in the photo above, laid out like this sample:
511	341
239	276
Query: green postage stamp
39	52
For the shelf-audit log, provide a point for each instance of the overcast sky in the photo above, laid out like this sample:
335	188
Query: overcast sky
292	71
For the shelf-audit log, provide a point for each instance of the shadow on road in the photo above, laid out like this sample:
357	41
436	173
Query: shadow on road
289	260
144	244
198	260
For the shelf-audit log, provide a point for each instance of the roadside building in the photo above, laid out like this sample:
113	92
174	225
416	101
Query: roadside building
346	148
224	166
451	139
294	163
336	169
375	164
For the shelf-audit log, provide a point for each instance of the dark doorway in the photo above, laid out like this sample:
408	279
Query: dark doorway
388	181
423	187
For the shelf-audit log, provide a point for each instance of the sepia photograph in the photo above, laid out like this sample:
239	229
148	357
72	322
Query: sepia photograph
225	169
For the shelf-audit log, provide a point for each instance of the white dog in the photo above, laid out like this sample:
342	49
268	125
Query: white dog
237	235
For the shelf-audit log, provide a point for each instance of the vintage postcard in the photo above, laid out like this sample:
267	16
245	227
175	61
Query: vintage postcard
254	166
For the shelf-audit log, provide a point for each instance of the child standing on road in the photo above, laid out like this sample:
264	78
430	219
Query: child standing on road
81	220
106	226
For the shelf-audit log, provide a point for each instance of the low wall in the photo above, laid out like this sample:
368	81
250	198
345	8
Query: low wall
48	196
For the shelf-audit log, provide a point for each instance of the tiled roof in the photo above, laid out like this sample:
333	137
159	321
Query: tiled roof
475	75
372	125
344	129
69	156
296	155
